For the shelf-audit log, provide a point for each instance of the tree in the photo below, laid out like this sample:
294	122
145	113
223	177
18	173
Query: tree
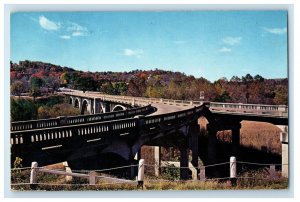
45	112
17	88
156	91
34	92
137	87
248	78
225	97
235	79
258	78
36	82
86	82
120	88
53	83
107	88
22	110
281	95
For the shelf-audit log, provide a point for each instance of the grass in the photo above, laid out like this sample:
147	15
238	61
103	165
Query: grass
57	183
258	135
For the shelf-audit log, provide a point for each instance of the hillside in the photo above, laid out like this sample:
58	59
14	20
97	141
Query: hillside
31	76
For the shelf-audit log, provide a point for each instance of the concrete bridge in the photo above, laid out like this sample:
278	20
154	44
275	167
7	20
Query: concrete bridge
128	123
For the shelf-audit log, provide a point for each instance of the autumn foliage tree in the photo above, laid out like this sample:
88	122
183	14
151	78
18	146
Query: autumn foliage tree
17	88
152	83
137	87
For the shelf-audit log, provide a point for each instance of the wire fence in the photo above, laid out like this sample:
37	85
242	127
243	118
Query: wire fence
103	179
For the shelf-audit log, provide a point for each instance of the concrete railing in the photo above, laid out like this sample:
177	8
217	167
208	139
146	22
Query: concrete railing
139	101
281	110
53	135
71	120
277	110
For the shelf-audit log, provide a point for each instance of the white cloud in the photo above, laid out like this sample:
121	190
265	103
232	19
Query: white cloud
224	50
77	30
65	37
48	24
179	42
275	30
78	34
130	52
232	40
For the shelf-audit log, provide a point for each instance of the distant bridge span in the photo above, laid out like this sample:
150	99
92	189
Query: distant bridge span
121	133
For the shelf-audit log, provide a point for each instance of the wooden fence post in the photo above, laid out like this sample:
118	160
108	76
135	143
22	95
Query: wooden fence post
33	175
202	173
233	171
140	177
68	178
92	178
272	172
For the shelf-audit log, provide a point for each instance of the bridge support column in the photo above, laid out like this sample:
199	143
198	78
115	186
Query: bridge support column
107	107
90	107
212	148
284	138
96	105
235	139
184	163
157	160
132	169
194	132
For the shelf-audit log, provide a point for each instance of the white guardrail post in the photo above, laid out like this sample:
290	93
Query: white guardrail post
233	170
33	175
140	177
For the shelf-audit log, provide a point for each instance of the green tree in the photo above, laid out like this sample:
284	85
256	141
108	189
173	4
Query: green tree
258	78
34	92
85	83
235	79
36	82
107	88
22	110
120	88
224	97
247	78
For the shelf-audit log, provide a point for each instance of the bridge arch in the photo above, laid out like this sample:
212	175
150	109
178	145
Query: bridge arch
71	101
118	108
84	107
77	103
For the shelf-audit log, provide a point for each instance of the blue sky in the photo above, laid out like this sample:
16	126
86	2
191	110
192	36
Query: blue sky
210	44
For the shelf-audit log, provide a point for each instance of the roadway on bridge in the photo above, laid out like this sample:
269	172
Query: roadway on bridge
161	107
166	108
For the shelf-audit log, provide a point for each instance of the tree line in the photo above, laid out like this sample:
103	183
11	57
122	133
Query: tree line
32	77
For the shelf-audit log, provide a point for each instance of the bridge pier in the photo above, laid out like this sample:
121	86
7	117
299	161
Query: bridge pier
96	107
184	163
212	147
284	138
157	160
194	133
107	107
